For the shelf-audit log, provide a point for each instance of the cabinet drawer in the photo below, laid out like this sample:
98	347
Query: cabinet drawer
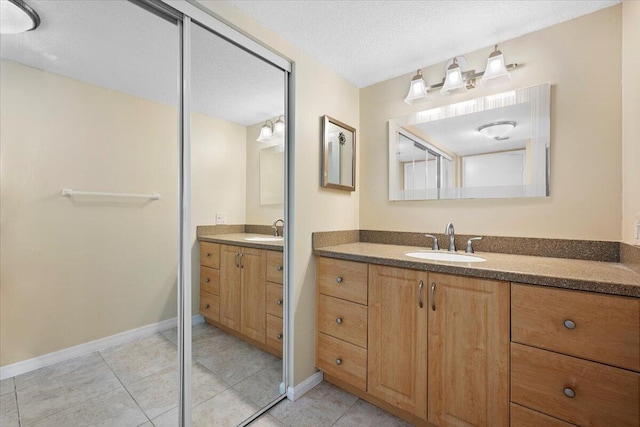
603	395
342	360
343	319
210	280
210	306
275	267
275	299
274	334
597	327
525	417
342	279
210	254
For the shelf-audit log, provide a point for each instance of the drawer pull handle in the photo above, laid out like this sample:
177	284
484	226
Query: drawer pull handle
338	361
420	286
207	280
278	302
279	268
208	255
569	392
339	279
433	299
569	324
206	306
339	320
279	336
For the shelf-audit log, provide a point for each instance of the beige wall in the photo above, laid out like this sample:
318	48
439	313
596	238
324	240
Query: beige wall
581	59
318	91
630	119
75	270
257	213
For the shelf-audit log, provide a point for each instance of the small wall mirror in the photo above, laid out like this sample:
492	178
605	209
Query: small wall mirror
272	175
495	146
338	155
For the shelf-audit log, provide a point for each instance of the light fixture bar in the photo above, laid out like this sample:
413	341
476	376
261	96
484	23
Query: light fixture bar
470	78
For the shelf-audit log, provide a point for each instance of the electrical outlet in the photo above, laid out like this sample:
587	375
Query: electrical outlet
221	218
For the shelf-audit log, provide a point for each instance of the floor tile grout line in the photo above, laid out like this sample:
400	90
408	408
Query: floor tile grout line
125	387
347	410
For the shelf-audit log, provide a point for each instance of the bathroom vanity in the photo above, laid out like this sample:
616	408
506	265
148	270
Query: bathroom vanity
516	340
241	287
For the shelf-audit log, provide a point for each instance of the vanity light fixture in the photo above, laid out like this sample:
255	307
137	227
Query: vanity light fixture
16	16
458	80
496	72
417	89
266	132
278	127
497	130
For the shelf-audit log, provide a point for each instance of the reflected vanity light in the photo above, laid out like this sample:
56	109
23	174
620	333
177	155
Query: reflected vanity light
270	132
497	130
266	132
17	17
457	80
278	127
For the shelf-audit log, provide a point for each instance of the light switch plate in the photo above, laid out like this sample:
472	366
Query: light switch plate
221	218
636	231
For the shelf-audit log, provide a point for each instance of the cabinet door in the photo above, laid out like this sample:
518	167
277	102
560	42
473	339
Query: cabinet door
253	265
397	368
468	351
230	286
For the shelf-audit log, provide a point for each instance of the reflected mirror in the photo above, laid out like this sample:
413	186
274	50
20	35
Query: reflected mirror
338	155
495	146
272	175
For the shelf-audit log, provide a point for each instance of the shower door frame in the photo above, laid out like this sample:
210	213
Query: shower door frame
186	13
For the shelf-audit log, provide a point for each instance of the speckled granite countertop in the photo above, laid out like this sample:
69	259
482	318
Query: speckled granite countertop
240	239
604	277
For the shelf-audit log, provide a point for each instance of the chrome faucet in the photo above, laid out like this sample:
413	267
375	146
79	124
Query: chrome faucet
275	227
449	231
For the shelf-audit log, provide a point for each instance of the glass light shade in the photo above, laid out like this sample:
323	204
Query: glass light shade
266	132
17	17
453	81
496	72
417	89
497	130
278	127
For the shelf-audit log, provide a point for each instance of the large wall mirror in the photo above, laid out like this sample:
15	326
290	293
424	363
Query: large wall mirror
495	146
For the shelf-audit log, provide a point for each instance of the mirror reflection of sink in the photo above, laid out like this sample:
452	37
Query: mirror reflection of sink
445	256
264	239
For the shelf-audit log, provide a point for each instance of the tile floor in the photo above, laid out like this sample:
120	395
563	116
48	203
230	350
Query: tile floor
136	384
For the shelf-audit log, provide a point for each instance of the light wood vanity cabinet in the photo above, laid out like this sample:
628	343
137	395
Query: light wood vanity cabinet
236	296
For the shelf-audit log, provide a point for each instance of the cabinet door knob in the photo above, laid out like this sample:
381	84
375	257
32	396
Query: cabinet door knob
207	280
279	268
278	302
339	320
569	324
208	255
279	336
206	306
338	361
569	392
339	279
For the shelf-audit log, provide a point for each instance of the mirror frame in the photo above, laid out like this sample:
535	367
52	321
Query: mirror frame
325	155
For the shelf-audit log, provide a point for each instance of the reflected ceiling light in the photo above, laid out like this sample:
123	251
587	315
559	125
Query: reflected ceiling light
453	81
417	89
17	17
278	127
458	80
497	130
266	132
496	72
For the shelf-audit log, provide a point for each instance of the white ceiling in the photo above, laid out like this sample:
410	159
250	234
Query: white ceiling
368	41
117	45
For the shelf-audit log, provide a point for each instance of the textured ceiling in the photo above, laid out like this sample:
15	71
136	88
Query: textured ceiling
119	46
367	42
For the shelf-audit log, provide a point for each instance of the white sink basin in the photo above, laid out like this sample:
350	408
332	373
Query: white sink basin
264	239
445	256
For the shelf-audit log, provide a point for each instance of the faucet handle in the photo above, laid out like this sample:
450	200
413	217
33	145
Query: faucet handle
469	249
435	246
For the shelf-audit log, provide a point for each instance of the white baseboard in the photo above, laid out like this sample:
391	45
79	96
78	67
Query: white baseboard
295	393
91	346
